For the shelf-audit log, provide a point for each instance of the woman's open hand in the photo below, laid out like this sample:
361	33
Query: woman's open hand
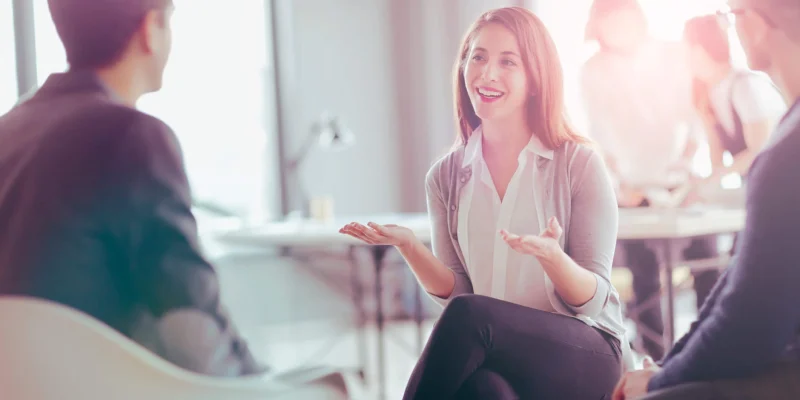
545	246
385	235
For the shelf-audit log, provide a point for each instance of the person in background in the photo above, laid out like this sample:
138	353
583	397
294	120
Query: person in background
637	96
745	343
738	107
524	222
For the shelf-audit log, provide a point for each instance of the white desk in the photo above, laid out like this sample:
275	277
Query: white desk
649	223
668	232
665	229
315	233
307	233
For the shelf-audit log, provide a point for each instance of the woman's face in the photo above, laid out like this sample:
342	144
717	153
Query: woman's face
622	29
494	75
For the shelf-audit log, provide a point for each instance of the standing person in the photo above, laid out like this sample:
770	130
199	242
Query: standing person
524	224
746	341
637	93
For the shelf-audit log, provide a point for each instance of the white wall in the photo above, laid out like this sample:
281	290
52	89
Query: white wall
343	64
384	66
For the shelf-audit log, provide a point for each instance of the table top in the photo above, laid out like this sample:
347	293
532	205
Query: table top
313	233
679	223
634	224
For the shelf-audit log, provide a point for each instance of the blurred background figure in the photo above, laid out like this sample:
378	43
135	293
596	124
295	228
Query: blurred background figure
738	107
636	91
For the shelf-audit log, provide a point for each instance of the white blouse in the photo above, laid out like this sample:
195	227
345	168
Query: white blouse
495	269
751	94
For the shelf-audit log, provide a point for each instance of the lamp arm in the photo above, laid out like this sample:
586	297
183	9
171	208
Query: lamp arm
295	162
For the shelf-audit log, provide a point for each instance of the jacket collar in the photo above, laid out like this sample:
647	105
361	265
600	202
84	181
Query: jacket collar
72	82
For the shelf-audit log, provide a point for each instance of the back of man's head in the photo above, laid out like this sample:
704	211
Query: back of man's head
96	33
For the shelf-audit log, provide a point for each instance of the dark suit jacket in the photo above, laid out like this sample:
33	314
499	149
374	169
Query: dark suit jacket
95	213
750	323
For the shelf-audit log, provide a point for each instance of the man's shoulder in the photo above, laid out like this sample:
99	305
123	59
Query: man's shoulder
785	139
130	126
131	119
87	113
778	161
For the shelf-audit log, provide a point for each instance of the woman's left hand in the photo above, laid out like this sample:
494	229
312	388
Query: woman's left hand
544	247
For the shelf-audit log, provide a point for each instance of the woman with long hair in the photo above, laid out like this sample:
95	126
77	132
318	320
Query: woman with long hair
524	224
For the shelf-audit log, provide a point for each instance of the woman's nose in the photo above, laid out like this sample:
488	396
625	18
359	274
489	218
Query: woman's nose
489	72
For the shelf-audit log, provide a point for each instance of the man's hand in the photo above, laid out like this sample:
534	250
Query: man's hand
633	385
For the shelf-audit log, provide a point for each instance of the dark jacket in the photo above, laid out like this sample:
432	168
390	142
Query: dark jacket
95	213
750	321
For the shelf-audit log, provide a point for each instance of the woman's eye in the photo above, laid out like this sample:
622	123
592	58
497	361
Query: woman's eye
509	63
477	57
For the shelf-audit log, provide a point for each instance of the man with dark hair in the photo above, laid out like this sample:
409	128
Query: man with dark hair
746	341
95	206
96	34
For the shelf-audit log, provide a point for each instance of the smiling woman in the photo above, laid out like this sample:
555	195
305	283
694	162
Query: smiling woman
523	221
515	65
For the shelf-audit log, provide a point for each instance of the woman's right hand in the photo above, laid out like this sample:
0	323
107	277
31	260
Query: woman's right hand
384	235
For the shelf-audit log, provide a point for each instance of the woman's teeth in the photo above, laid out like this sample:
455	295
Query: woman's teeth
489	93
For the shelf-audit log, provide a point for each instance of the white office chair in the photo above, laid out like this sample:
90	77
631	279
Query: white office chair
52	352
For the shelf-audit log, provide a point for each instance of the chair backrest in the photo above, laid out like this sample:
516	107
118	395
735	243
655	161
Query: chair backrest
50	351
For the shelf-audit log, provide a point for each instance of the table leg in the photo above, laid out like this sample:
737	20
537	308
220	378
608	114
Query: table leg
378	254
418	315
361	318
669	326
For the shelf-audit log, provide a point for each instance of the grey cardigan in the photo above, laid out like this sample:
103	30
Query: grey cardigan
578	191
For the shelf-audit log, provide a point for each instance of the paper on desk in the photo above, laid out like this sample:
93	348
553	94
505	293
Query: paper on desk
663	198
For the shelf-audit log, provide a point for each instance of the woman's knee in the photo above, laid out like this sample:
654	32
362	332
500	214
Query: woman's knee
485	384
465	307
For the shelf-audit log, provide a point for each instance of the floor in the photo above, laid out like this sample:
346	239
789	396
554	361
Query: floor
297	311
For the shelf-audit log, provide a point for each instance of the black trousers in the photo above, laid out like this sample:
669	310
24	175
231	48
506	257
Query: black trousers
484	348
643	264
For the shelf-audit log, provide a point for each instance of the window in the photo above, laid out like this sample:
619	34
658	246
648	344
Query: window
50	57
214	98
8	71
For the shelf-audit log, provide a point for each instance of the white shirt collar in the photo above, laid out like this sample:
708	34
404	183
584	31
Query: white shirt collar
474	147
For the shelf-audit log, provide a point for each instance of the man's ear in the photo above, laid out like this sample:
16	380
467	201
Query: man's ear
152	24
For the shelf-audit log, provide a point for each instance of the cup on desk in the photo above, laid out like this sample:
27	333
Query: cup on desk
321	209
